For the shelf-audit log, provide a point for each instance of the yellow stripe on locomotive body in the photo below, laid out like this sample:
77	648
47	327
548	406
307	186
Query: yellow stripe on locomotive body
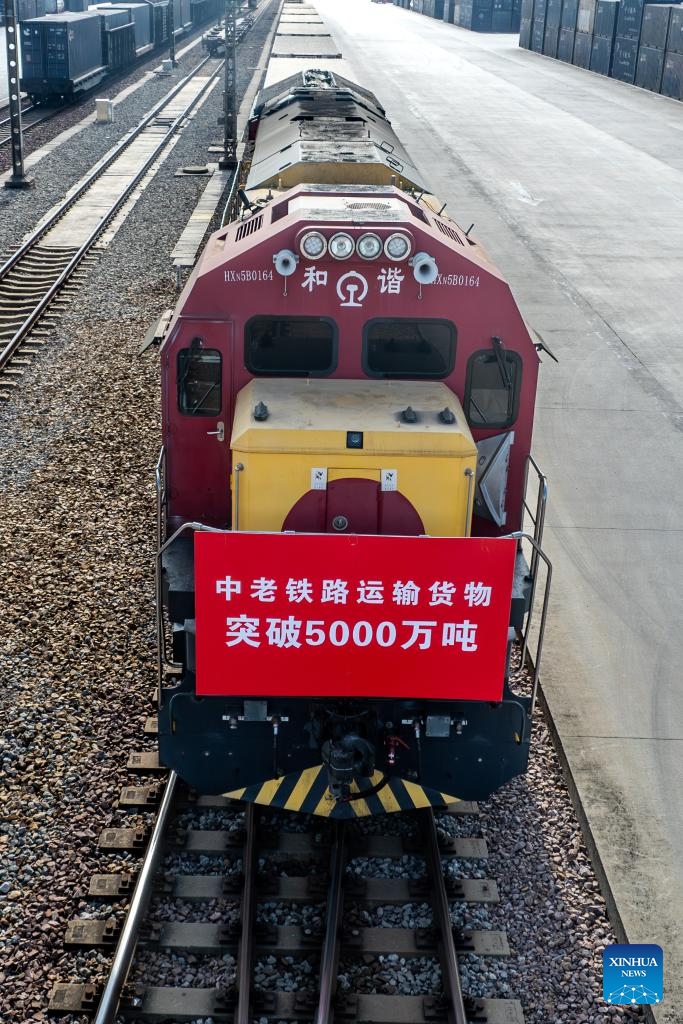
307	792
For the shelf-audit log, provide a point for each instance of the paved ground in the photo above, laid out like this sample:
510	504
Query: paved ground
575	185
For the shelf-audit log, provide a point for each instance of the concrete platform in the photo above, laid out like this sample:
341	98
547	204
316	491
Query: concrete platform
575	185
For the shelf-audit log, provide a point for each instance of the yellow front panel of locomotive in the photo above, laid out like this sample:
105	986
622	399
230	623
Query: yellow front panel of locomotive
271	483
283	456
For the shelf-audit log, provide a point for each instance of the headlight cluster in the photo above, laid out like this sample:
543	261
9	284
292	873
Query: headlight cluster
341	245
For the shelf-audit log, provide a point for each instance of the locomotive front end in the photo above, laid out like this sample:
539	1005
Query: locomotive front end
346	436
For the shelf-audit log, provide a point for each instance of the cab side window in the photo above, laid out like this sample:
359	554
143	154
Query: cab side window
492	388
199	381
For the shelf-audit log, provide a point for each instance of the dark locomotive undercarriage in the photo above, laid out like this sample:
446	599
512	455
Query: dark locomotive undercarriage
466	749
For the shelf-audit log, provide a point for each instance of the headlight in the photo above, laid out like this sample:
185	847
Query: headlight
369	247
397	247
313	245
341	246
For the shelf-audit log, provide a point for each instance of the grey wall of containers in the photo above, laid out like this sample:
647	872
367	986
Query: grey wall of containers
636	42
476	15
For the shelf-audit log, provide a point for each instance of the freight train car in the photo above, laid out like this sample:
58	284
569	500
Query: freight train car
66	55
348	399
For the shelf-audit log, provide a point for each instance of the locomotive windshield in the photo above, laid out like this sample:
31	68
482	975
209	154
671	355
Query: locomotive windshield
290	346
492	388
409	348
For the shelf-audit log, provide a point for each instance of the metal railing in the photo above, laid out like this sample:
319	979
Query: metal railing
538	554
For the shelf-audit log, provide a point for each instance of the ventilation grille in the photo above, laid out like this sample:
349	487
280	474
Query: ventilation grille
248	227
368	205
446	230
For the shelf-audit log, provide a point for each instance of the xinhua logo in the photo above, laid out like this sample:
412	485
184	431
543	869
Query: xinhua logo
633	974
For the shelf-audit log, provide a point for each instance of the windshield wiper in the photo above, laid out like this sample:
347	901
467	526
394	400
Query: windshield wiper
502	366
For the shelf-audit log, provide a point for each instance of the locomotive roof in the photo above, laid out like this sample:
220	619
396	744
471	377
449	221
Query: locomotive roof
327	132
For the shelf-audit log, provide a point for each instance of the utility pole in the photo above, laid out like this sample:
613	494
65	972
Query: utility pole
228	160
18	179
171	33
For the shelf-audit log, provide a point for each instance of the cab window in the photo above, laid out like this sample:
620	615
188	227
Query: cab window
290	346
199	380
409	348
492	388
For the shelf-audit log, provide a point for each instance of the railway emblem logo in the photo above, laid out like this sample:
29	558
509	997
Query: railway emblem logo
353	288
633	974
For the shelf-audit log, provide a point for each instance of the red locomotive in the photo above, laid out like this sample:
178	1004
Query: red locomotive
348	400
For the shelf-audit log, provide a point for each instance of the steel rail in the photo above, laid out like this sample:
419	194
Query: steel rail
123	957
447	952
245	950
99	168
15	341
331	943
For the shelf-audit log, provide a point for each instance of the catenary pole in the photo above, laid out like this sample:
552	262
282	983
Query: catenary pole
18	178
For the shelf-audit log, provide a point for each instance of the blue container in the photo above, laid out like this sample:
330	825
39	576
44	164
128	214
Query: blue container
674	43
655	28
606	18
565	45
553	14
501	21
601	55
570	10
527	10
624	59
537	36
583	45
649	68
550	39
525	33
672	77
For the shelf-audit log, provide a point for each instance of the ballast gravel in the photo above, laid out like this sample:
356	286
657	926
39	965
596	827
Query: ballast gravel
78	444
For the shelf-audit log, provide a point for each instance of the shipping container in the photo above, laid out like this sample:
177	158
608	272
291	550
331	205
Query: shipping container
515	21
550	39
553	14
118	46
585	17
61	55
649	68
630	17
525	33
583	44
674	43
624	59
606	18
501	21
570	9
672	78
601	55
655	28
141	16
537	36
527	10
565	45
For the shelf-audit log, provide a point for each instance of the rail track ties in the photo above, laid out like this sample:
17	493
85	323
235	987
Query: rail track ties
261	895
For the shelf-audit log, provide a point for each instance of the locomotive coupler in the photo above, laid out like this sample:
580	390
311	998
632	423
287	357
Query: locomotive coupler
346	759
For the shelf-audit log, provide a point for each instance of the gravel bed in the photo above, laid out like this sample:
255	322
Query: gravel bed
78	444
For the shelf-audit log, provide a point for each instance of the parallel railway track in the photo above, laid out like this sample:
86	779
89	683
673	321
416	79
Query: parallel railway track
315	868
35	279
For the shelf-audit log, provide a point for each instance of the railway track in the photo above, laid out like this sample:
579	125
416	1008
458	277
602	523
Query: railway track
36	279
256	864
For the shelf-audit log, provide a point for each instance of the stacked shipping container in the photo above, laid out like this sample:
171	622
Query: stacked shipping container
634	41
477	15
